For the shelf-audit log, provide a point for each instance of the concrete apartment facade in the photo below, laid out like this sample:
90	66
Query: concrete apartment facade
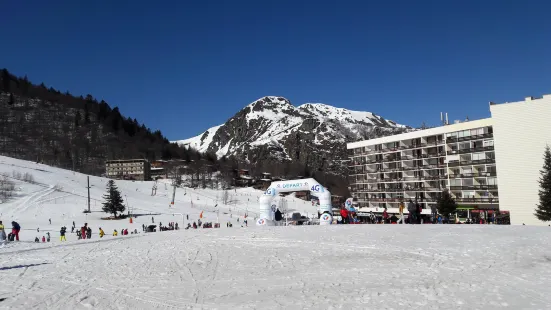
128	169
522	130
418	165
486	164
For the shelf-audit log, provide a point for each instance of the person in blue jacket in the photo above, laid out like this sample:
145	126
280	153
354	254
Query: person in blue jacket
15	228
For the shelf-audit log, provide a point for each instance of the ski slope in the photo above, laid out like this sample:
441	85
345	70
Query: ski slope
295	267
300	267
34	204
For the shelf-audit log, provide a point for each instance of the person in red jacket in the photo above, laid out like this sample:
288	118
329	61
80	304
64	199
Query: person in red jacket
344	215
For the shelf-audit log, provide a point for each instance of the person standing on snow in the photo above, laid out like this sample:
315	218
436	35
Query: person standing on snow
412	211
101	233
83	232
48	238
50	221
62	234
2	232
15	229
115	233
401	211
344	216
89	233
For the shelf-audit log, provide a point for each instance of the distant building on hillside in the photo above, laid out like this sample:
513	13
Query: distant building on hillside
243	178
128	169
159	169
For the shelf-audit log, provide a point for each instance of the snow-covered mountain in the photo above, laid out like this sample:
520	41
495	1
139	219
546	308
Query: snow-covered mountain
272	128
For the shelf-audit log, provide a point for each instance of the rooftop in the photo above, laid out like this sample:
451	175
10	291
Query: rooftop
526	99
424	133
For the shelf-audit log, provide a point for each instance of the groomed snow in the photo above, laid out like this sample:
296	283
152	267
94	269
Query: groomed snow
308	267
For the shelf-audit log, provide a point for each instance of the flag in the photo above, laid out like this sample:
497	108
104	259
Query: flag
201	215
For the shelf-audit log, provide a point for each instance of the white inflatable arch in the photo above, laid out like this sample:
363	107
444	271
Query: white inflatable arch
311	185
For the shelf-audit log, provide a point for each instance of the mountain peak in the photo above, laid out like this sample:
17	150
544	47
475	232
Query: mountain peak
271	128
270	102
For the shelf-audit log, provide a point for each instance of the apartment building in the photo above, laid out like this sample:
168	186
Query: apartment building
418	165
128	169
522	130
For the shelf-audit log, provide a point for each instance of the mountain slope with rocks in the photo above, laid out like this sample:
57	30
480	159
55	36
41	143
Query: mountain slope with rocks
271	129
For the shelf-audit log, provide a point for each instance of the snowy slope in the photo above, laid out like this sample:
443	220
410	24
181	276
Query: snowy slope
202	141
303	267
35	204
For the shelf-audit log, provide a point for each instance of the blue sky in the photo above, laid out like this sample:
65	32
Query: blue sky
184	66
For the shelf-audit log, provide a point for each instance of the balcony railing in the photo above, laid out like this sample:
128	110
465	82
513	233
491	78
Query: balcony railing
474	187
473	175
471	162
378	190
478	200
471	150
473	137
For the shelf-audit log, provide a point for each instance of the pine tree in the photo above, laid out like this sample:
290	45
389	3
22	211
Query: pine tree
446	204
113	199
77	119
543	210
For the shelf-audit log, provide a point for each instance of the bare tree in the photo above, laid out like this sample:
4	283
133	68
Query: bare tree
7	187
226	198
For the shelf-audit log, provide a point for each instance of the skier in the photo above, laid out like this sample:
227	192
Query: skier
48	238
143	227
36	240
15	230
83	232
115	233
50	221
62	234
152	220
101	233
89	233
43	239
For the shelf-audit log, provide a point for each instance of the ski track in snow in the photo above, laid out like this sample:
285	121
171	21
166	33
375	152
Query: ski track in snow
310	267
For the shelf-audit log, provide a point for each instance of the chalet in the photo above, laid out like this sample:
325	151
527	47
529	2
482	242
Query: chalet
243	178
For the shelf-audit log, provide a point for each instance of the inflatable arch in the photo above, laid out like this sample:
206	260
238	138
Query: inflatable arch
311	185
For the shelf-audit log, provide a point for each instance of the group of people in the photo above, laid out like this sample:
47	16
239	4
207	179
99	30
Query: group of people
348	216
13	236
84	232
171	226
44	238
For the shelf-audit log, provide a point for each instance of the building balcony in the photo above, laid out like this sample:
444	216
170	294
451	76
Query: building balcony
385	199
478	200
473	175
471	162
474	187
468	138
471	150
379	190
